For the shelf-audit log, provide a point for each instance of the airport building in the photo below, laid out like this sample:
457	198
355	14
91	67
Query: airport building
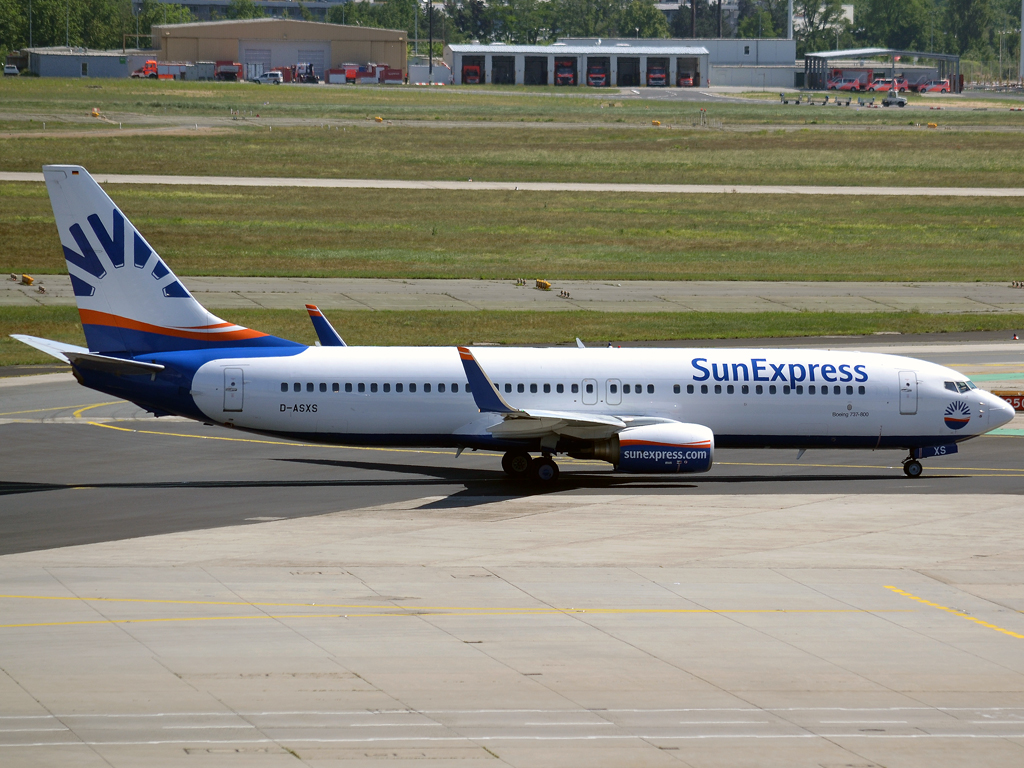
280	43
768	63
62	61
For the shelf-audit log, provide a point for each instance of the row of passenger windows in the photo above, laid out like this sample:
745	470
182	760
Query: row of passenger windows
772	389
371	387
575	388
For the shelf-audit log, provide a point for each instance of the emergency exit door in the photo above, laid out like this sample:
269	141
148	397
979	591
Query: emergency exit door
234	389
908	392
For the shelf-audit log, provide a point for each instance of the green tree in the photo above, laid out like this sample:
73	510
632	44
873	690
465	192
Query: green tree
896	23
642	19
965	22
757	24
584	18
768	16
519	21
823	19
244	9
707	20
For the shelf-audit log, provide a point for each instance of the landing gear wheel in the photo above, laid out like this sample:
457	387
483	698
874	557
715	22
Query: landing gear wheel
543	470
516	464
913	468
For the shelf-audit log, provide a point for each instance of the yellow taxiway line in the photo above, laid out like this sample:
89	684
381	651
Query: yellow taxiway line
955	612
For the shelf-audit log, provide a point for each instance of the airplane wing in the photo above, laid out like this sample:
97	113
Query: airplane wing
527	422
82	357
324	330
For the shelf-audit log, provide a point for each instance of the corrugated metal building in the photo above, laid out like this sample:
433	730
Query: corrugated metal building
280	43
624	63
81	62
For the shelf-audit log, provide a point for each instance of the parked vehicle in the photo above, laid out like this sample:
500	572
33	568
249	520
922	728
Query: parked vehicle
934	86
685	80
471	74
844	84
273	76
893	99
10	70
304	73
899	84
164	70
657	77
564	73
597	76
228	71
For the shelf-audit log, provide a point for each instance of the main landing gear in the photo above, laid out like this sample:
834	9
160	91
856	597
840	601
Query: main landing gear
519	465
912	467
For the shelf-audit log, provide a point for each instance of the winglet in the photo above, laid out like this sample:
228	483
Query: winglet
487	398
580	343
324	330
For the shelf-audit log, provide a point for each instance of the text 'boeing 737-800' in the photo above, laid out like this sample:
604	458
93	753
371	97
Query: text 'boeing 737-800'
642	410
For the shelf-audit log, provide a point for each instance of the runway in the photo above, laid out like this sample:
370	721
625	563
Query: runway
534	186
173	591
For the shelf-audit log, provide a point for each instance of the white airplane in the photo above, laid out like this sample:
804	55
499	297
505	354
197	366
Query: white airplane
642	410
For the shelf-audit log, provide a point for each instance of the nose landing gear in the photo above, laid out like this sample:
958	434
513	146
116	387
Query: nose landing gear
912	467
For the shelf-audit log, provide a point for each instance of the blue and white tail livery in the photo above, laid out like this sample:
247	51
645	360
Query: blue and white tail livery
641	410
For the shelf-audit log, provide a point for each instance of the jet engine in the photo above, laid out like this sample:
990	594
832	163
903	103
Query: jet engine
673	447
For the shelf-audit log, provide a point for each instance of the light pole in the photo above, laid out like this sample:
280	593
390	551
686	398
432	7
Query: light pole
430	24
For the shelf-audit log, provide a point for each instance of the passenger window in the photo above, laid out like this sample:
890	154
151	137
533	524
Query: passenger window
811	390
849	389
323	386
730	389
387	387
296	387
440	387
533	389
426	387
718	389
398	387
309	386
637	389
689	389
575	388
675	389
373	387
559	388
650	389
362	387
335	387
613	388
520	388
455	387
861	390
824	389
759	390
348	386
785	389
284	386
772	389
745	389
468	387
625	389
703	389
412	387
547	389
799	389
837	390
590	389
508	388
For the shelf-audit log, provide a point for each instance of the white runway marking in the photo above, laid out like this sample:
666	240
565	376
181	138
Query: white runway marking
536	186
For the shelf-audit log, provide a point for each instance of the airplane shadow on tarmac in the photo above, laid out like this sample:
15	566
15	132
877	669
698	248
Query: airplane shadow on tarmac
489	484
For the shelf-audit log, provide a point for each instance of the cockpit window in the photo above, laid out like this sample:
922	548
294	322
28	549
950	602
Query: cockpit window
960	386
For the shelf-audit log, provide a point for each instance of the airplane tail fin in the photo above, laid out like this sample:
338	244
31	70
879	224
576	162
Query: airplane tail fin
129	300
324	330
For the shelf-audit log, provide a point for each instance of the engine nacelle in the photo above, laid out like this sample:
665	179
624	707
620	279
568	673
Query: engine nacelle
656	448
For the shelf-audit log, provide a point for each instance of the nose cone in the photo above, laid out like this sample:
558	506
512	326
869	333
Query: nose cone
999	411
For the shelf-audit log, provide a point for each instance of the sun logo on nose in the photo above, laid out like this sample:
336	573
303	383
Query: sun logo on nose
957	414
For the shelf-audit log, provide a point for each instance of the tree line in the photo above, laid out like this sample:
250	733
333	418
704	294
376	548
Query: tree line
976	29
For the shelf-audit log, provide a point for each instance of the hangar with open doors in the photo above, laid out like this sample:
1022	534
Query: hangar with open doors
624	64
269	43
912	66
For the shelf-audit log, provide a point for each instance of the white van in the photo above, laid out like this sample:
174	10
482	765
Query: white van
274	77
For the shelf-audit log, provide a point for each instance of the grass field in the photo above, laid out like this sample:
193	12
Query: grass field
119	99
536	154
402	233
449	328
